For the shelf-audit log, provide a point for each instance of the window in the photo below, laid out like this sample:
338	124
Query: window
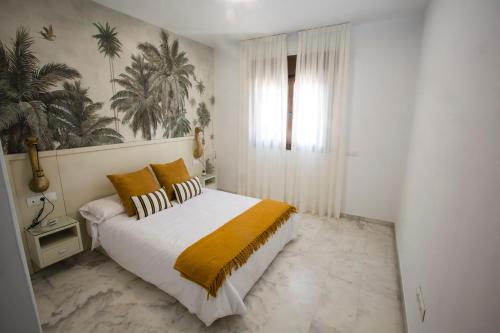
269	103
292	64
307	115
310	115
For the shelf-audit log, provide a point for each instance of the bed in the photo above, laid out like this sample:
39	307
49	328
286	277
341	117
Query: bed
150	247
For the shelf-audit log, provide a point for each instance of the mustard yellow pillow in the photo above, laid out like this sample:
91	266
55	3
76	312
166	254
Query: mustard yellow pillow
171	173
131	184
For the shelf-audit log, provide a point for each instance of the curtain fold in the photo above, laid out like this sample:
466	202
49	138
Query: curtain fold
316	162
310	175
262	127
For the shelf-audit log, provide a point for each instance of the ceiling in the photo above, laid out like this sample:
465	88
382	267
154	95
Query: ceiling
209	21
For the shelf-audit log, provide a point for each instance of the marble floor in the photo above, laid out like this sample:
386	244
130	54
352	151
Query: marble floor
338	276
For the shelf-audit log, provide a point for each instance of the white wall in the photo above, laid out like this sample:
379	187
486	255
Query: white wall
383	77
17	305
449	231
384	61
227	105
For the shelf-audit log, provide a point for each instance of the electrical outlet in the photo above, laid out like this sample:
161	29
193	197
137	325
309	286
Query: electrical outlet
421	304
36	200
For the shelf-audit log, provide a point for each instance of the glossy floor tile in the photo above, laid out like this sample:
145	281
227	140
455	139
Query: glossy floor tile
337	276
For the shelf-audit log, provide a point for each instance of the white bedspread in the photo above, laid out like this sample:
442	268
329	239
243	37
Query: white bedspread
150	247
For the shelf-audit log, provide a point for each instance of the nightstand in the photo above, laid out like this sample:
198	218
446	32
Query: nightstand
52	243
209	181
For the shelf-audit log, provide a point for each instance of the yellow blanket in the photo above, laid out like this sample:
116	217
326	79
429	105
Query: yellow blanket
211	259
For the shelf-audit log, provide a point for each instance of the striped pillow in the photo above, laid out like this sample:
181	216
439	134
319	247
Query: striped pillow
150	203
188	189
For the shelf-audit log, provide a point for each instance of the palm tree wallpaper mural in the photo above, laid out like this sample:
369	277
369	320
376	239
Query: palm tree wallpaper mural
26	92
160	89
200	87
48	33
155	89
110	46
139	99
203	115
172	72
81	126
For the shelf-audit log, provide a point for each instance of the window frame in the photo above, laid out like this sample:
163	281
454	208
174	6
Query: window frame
291	67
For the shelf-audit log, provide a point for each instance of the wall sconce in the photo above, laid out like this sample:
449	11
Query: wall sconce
39	183
198	148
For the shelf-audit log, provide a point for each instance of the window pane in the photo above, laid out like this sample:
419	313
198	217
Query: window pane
309	115
268	100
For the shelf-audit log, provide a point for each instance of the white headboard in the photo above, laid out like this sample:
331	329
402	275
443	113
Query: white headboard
78	175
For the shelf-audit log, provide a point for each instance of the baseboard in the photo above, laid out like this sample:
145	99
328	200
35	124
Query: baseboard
367	219
400	277
400	280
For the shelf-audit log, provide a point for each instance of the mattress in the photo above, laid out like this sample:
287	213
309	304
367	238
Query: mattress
149	248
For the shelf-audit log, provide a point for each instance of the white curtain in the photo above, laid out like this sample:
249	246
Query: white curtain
316	162
263	117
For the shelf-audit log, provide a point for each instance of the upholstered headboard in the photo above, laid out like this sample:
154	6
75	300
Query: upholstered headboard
78	175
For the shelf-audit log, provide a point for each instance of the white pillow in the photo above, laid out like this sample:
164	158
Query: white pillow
100	210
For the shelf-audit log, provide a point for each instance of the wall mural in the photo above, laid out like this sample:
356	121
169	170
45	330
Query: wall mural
153	88
109	46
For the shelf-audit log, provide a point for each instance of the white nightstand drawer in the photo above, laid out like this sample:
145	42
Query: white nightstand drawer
54	242
61	251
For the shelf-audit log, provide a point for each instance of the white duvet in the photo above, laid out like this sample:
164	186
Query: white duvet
150	247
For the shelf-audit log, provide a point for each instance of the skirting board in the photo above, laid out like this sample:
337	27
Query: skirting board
401	290
400	278
366	219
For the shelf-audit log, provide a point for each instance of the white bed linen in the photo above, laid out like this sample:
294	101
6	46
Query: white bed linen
150	247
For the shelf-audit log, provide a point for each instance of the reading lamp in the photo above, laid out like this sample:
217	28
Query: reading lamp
39	183
198	149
